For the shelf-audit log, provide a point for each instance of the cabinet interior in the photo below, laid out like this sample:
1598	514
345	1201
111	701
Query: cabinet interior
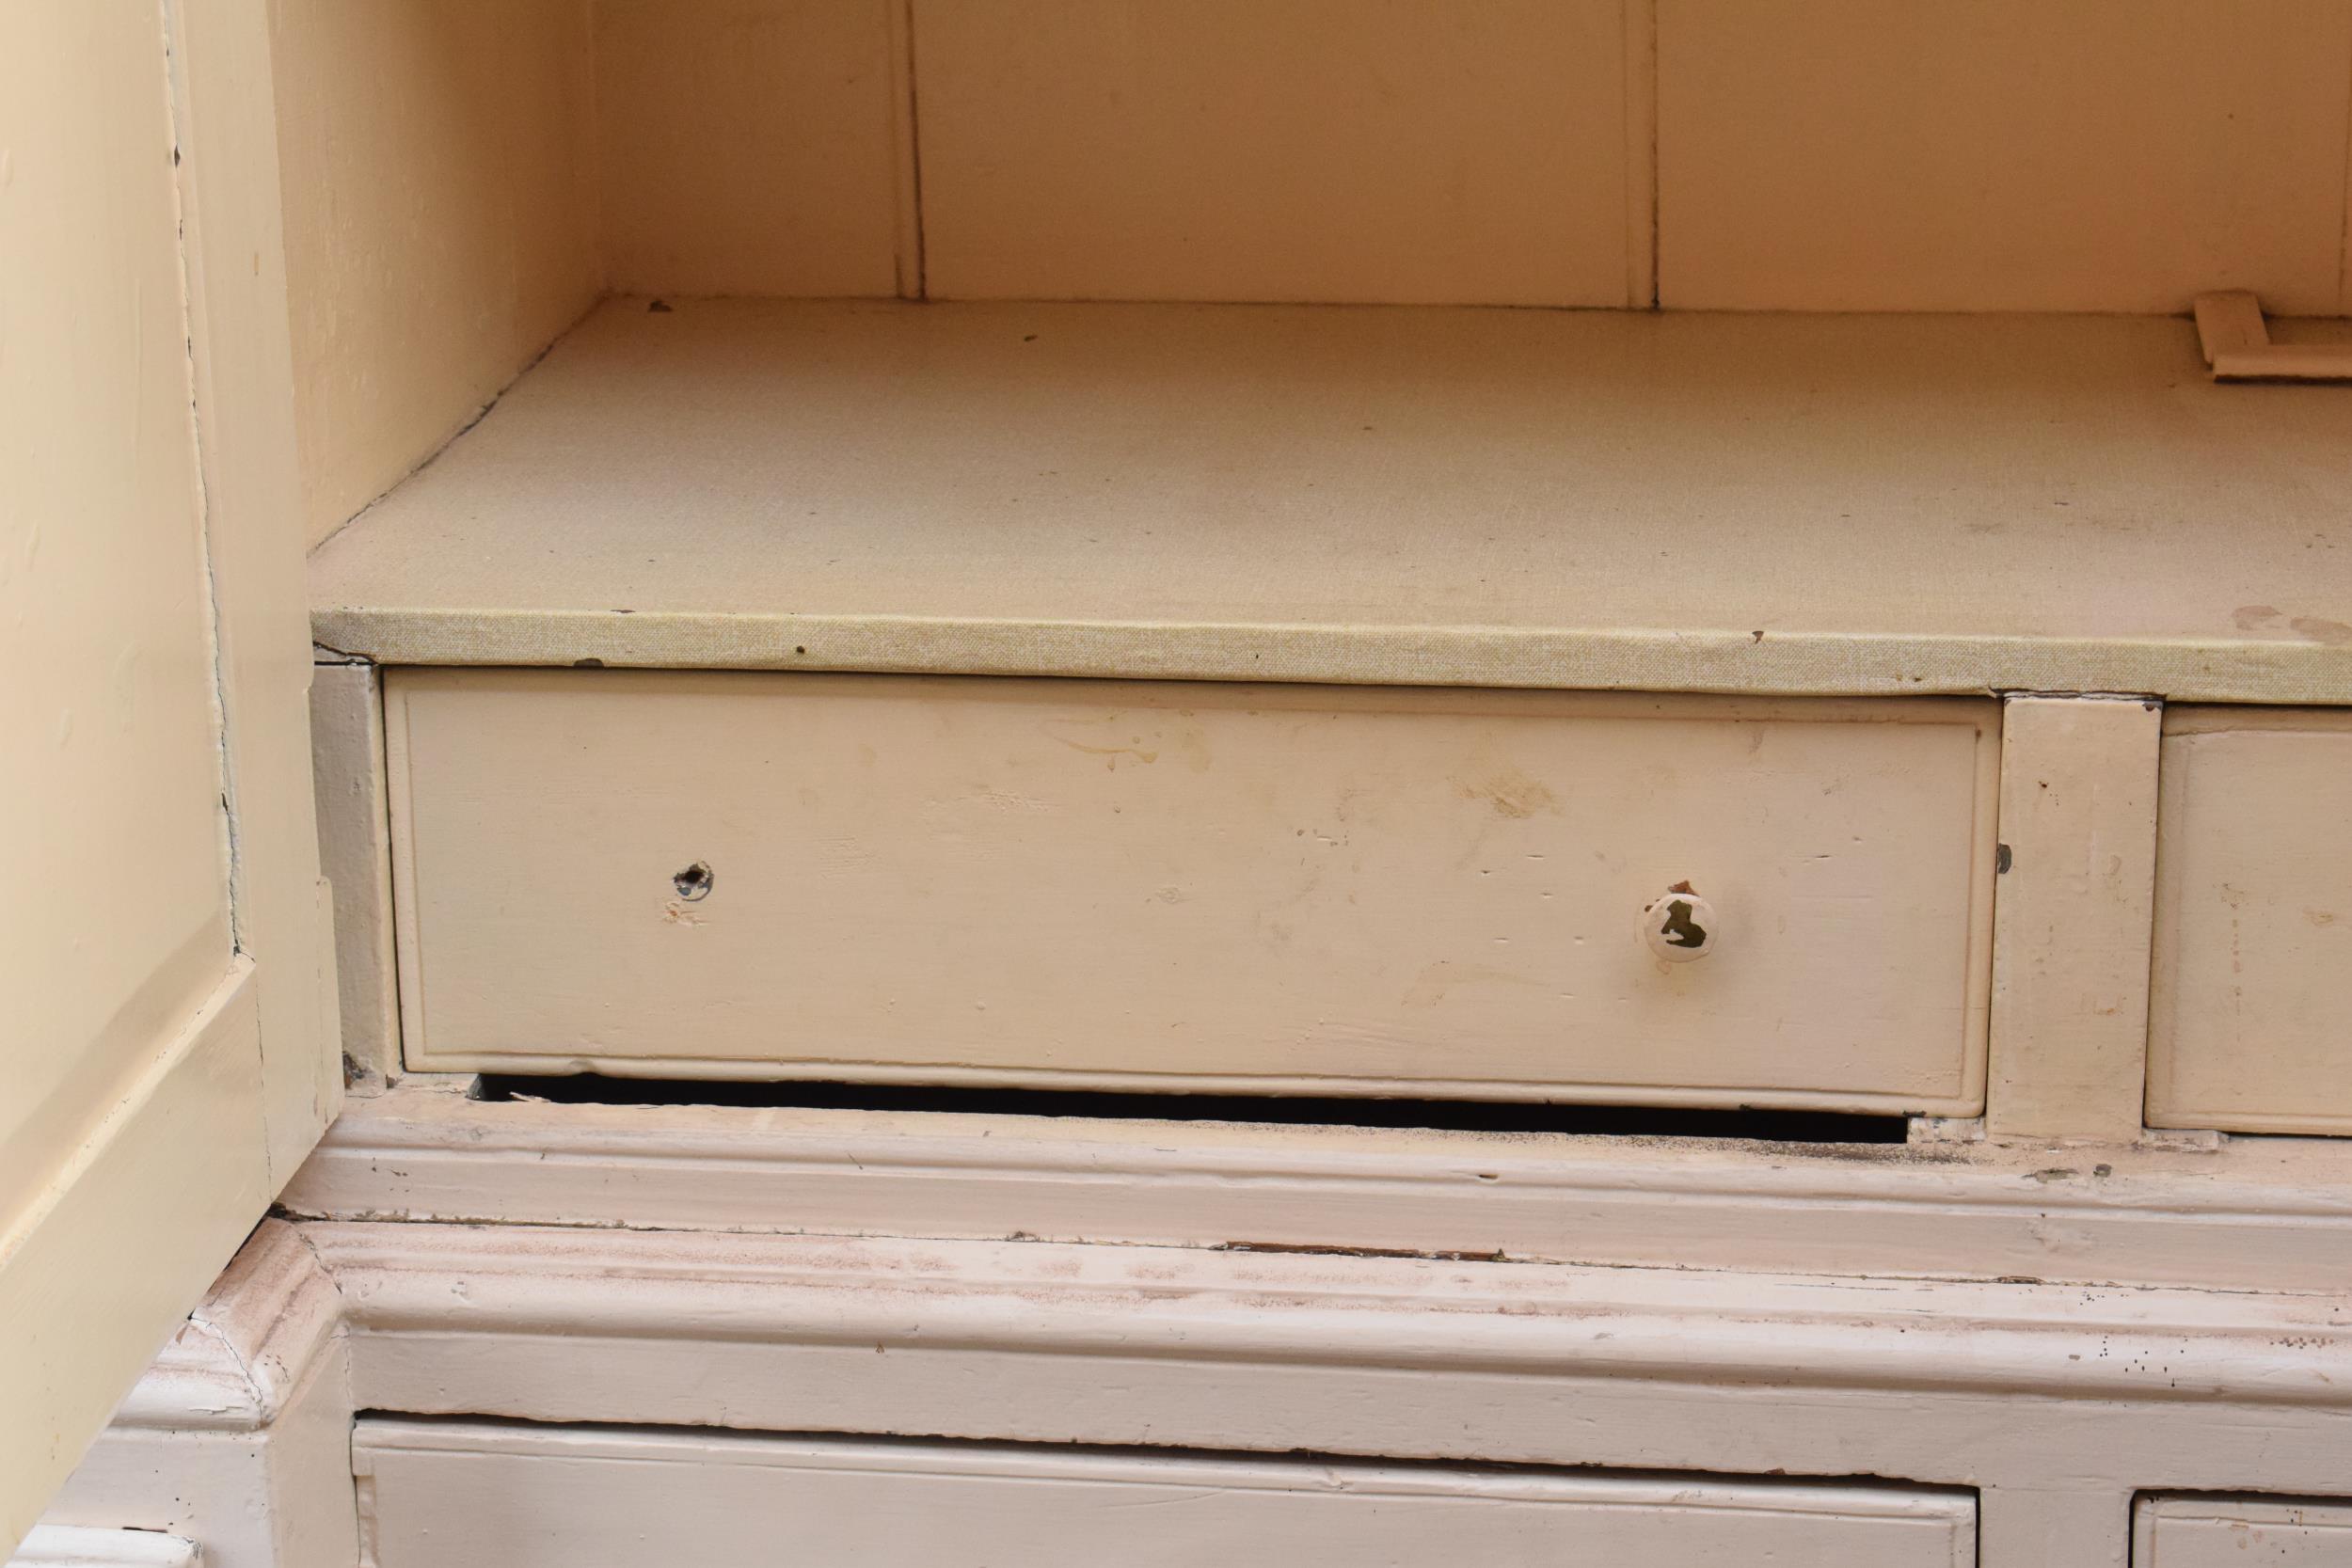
1679	345
463	184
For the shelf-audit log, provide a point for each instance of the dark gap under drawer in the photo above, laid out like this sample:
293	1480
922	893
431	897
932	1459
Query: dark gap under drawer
1762	1126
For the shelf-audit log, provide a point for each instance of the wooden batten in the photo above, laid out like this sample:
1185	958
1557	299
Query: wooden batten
2236	343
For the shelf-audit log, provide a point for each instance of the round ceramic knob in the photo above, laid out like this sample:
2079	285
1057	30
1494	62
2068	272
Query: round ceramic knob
1680	925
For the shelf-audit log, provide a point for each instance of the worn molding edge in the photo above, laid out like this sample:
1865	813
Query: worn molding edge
245	1349
1788	1332
2260	1214
77	1546
2057	1403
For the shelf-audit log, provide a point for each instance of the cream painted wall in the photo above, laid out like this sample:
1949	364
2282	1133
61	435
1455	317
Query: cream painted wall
462	180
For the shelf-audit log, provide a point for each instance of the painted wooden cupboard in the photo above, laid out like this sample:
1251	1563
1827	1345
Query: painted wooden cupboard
1143	780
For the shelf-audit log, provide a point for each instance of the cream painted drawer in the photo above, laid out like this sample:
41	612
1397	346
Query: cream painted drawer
467	1496
2240	1532
1140	885
2251	1008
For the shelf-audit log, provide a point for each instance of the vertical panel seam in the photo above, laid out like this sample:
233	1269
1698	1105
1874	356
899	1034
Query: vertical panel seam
170	22
2343	204
1640	53
590	146
911	261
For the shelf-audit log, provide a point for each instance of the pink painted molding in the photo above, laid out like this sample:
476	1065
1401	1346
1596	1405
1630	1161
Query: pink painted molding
244	1350
2247	1214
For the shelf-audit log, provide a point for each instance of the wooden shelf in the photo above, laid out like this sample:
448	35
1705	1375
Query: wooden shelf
1709	502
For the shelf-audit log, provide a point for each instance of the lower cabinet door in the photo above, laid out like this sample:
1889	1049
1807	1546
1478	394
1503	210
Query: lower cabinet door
2211	1532
449	1495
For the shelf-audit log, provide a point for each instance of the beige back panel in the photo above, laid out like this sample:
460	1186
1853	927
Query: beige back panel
754	147
1210	887
485	1497
1476	151
2002	154
2252	1023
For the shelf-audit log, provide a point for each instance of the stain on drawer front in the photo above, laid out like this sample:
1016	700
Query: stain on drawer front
1165	885
2250	1005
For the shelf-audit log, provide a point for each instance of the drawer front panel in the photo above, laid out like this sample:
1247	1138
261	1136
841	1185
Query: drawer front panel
2250	1005
1143	885
462	1495
2235	1532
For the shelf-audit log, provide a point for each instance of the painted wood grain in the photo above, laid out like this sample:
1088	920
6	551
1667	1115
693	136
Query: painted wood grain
1270	889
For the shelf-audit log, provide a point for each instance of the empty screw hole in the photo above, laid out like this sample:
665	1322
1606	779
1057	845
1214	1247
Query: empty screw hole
694	883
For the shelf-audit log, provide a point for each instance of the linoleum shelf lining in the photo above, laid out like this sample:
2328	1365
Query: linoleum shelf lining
1767	504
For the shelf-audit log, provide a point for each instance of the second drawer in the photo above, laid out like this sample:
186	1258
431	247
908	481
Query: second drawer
477	1495
1214	888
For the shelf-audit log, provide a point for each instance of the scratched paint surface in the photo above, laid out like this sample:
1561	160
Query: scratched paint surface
1192	886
